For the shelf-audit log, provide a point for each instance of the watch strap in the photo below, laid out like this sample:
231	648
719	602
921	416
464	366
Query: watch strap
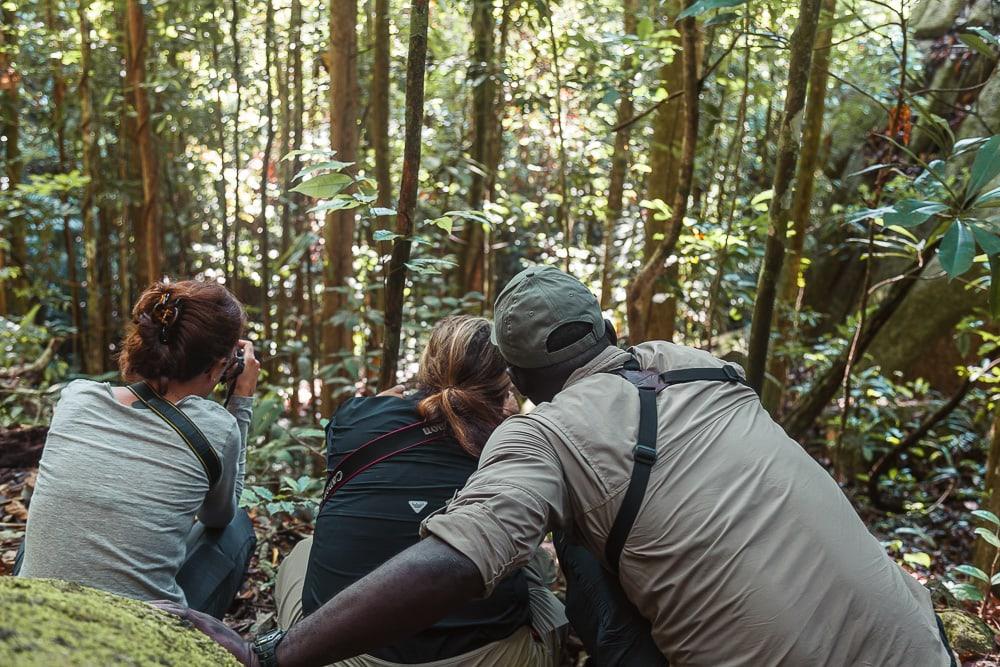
265	647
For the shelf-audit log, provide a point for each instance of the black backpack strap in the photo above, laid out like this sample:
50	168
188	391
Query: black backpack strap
185	428
649	383
378	450
644	454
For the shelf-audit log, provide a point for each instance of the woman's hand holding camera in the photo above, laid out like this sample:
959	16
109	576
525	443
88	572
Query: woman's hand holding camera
246	383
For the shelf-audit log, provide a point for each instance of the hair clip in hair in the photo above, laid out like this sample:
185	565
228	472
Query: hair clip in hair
166	313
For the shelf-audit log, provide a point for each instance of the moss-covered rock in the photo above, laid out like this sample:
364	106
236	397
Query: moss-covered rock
45	622
967	634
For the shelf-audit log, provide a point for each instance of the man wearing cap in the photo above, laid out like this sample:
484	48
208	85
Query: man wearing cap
734	544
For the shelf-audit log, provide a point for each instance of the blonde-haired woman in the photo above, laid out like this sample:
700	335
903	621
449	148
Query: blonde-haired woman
374	511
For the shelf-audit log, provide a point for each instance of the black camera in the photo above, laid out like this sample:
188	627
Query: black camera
234	368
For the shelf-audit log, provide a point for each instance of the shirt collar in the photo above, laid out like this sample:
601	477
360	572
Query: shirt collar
609	359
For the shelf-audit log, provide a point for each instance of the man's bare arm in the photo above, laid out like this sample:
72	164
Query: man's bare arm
403	596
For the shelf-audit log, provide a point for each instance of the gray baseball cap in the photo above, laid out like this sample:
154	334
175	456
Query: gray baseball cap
536	302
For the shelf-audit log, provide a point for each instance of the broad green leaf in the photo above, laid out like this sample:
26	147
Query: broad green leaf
918	558
445	223
987	240
336	204
378	211
309	151
957	249
644	28
973	571
988	535
912	212
985	167
986	515
324	186
385	235
702	6
978	44
966	592
263	492
988	199
995	579
333	165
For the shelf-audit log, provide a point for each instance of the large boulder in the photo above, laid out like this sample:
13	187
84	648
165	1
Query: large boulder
46	622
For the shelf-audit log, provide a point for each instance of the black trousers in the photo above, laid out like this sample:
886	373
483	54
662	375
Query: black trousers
215	566
610	627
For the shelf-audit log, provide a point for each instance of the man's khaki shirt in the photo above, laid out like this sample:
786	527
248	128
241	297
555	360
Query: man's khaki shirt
745	551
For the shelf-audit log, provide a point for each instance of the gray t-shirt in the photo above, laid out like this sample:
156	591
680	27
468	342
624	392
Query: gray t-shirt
118	491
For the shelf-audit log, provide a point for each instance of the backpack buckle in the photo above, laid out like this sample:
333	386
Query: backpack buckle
644	454
731	373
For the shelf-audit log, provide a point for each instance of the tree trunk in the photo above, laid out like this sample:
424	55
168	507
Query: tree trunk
619	159
17	258
338	232
643	286
148	269
54	26
264	243
789	141
378	134
220	183
416	61
472	263
234	24
805	179
93	349
984	553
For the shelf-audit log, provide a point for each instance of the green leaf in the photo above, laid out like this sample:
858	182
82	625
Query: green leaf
957	249
378	211
973	571
702	6
988	199
985	167
263	492
339	203
386	235
445	223
988	535
474	216
987	240
994	289
912	212
324	186
918	558
986	515
995	579
644	28
333	165
977	44
966	592
722	19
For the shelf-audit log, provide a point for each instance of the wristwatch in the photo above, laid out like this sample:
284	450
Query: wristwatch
265	647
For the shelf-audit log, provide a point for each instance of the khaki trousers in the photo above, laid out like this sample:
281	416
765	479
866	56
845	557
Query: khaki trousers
548	619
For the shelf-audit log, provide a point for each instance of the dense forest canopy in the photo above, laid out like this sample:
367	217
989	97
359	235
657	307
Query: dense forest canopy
809	187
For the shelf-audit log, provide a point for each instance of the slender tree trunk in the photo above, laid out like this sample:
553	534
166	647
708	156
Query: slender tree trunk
93	356
564	215
127	167
984	554
149	254
789	142
264	244
378	127
642	289
234	25
294	199
416	63
619	158
220	183
473	259
378	131
338	232
10	128
59	122
805	178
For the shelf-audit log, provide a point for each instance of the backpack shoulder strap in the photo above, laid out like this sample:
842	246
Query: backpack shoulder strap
378	450
185	428
644	454
650	383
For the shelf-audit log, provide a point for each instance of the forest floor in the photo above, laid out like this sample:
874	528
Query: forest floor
941	533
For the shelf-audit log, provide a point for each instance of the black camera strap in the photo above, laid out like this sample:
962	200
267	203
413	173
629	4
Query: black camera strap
380	449
185	428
